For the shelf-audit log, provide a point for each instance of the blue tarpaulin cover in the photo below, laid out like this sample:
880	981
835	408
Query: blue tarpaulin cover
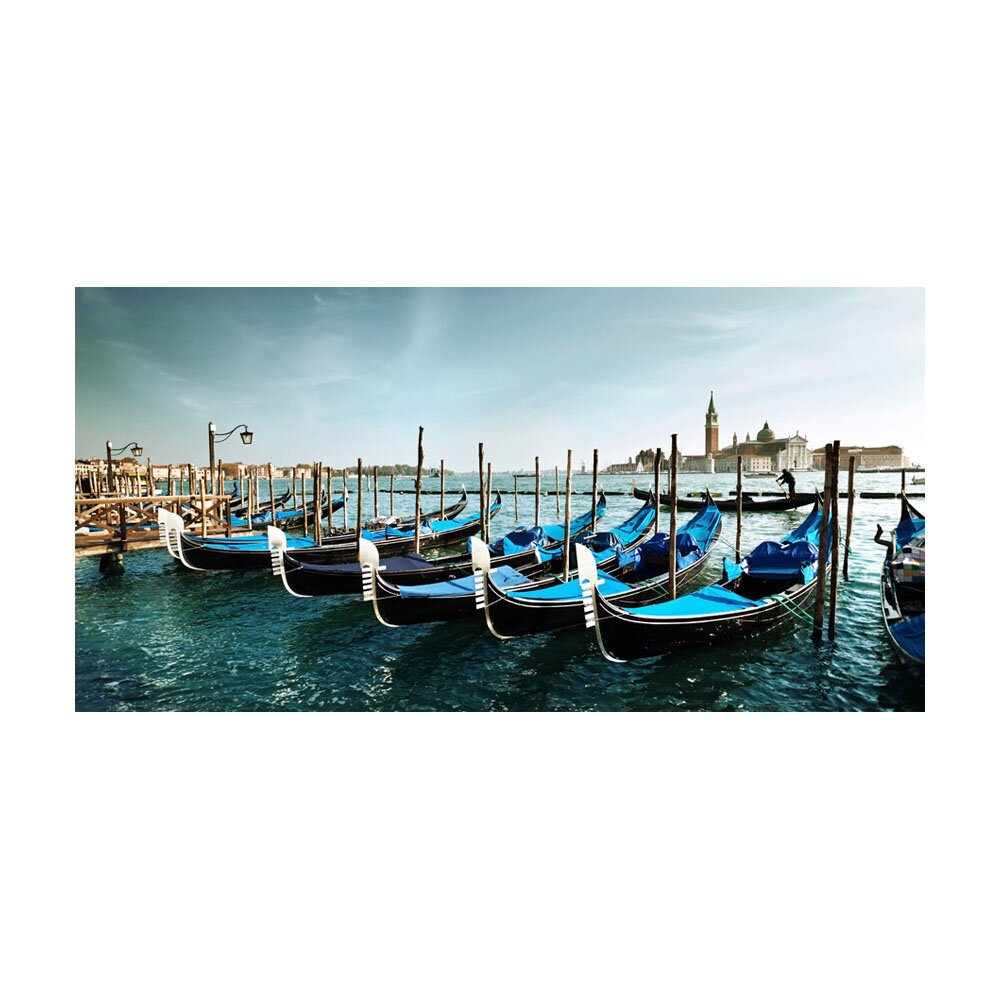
910	636
652	558
707	601
464	586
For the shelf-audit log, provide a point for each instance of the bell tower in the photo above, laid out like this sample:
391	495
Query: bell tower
711	427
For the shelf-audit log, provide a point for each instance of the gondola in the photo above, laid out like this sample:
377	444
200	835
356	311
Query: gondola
251	552
632	578
768	588
518	549
750	504
290	518
903	576
407	605
238	504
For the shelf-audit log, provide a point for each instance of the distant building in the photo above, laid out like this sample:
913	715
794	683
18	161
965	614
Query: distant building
766	453
888	456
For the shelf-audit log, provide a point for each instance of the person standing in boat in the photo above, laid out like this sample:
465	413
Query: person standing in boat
787	479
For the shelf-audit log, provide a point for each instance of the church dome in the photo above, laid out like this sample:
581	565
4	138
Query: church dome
765	433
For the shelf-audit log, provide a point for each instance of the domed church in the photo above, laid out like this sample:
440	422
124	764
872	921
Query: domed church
765	453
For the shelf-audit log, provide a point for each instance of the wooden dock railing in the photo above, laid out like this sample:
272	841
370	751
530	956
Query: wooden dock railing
98	521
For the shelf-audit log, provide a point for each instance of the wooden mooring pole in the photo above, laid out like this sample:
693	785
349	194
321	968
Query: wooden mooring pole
569	480
358	526
305	515
317	504
850	510
673	517
823	535
593	498
656	490
329	500
392	494
375	489
204	516
739	505
270	493
420	479
442	489
831	630
557	491
538	492
515	499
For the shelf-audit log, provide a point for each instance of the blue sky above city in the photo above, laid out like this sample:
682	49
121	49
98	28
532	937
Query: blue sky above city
337	374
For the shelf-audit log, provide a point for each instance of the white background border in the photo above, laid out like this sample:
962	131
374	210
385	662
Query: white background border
453	855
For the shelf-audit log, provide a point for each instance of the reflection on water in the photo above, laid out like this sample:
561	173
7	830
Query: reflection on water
160	638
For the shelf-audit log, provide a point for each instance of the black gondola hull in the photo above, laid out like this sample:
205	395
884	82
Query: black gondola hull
512	613
750	504
628	637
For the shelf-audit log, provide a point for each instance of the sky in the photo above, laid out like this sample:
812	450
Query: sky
335	374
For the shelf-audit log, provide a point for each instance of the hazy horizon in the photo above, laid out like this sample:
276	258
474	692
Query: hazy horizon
337	374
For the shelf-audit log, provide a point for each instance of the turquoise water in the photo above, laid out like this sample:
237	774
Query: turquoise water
162	638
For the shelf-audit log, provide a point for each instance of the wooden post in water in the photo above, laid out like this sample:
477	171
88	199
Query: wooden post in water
420	479
902	481
657	462
739	505
834	539
229	518
823	535
392	494
358	526
852	462
270	492
329	500
538	492
593	499
673	517
375	489
204	518
305	515
317	504
482	494
516	519
442	489
170	477
569	478
557	491
489	499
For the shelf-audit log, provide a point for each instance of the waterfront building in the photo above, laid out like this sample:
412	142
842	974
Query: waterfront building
888	456
766	453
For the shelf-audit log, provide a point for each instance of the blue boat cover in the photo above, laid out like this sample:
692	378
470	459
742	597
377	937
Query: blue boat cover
464	586
707	601
522	538
517	540
909	633
652	558
908	527
256	543
570	590
774	561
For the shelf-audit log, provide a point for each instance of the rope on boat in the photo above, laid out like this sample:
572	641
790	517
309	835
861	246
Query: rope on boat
792	607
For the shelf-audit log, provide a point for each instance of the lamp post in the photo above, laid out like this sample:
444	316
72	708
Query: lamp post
136	452
246	435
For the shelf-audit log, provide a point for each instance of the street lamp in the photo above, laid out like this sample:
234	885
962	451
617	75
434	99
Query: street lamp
136	451
246	436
